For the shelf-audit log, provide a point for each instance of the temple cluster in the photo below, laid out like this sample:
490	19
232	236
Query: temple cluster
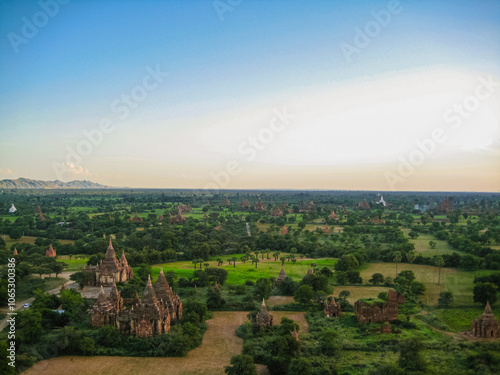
147	317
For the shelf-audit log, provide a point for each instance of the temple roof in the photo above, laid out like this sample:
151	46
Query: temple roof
114	294
487	310
110	252
149	292
102	299
51	252
123	259
282	272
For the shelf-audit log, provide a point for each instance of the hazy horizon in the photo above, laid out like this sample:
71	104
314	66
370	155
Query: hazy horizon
288	95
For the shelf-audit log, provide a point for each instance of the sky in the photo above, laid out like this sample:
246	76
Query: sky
231	94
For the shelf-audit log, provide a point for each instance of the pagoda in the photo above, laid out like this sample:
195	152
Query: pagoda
486	325
50	252
259	206
281	276
111	270
245	203
264	319
276	212
445	206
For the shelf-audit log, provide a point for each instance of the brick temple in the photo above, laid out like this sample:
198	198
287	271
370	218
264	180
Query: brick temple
111	270
147	317
371	310
486	325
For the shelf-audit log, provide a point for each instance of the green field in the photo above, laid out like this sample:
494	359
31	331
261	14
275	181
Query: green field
459	319
73	264
247	271
456	281
423	248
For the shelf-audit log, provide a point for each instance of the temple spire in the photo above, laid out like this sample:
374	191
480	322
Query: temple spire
110	246
487	308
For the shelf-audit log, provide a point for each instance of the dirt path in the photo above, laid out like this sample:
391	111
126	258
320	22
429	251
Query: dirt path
219	345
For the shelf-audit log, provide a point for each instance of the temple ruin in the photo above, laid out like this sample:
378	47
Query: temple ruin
371	310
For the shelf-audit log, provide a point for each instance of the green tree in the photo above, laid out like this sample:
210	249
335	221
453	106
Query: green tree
347	263
30	325
413	235
300	366
397	259
484	292
241	365
86	345
439	262
445	299
330	342
409	356
410	256
283	260
214	299
276	254
377	278
304	294
144	271
4	360
82	278
432	244
263	288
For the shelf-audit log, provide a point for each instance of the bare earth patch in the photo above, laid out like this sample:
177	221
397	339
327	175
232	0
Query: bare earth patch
279	300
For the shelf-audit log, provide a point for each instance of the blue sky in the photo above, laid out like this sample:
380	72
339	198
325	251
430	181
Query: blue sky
226	76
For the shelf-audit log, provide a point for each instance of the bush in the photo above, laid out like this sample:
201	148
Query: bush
304	294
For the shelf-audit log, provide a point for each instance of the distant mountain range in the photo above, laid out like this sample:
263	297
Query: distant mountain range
26	183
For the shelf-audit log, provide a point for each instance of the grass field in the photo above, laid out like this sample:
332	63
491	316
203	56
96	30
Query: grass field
29	240
361	291
247	271
422	246
73	264
456	281
459	319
